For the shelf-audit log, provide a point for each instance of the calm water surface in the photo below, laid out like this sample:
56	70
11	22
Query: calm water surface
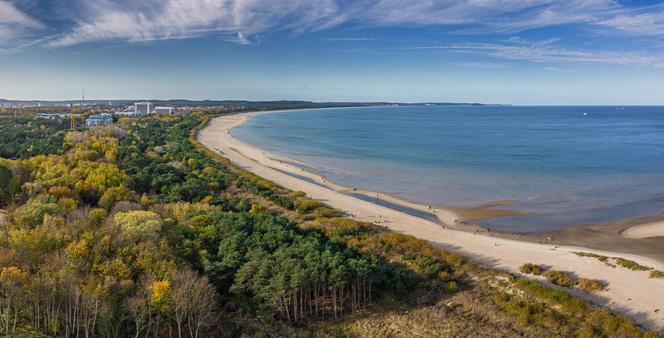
569	165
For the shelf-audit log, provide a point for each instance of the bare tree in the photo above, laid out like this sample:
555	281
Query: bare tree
194	300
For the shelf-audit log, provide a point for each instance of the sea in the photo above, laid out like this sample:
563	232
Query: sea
562	165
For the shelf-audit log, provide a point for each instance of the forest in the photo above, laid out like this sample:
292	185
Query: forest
136	230
23	137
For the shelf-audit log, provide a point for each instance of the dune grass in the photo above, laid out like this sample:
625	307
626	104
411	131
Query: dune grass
531	269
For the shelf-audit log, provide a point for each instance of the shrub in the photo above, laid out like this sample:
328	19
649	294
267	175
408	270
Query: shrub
98	215
451	286
327	212
530	268
656	274
559	278
632	265
307	205
590	285
588	254
32	214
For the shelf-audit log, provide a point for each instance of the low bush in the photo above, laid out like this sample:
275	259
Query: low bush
559	278
589	285
588	254
451	286
532	269
656	274
632	265
307	205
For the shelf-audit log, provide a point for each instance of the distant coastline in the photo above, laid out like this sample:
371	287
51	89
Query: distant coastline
621	235
631	292
499	158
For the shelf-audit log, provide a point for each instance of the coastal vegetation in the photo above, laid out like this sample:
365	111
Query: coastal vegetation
559	278
24	136
530	268
137	230
656	274
625	263
589	285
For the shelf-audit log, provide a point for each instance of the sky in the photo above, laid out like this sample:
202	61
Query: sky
489	51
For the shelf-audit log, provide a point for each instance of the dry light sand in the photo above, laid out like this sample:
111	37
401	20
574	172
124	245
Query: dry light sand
630	293
649	230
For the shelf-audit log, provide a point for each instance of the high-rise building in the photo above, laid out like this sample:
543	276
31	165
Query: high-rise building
143	108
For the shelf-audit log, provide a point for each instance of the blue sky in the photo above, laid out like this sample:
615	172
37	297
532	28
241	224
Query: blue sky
492	51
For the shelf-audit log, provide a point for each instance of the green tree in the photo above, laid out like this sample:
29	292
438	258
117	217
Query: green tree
5	183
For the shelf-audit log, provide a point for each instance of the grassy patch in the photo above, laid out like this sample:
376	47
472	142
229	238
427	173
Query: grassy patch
559	278
625	263
632	265
589	285
657	274
531	269
592	255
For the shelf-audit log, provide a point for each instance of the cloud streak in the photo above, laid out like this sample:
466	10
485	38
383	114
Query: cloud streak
14	22
642	21
178	19
134	21
546	52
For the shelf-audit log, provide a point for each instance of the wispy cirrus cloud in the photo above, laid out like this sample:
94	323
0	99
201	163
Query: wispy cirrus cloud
535	51
647	21
547	52
245	21
14	22
177	19
133	21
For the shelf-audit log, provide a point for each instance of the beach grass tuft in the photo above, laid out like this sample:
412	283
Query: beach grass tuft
657	274
590	285
632	265
532	269
559	278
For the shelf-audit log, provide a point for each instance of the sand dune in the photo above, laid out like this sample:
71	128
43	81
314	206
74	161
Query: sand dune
629	292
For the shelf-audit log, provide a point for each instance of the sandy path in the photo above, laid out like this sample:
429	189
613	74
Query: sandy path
629	292
649	230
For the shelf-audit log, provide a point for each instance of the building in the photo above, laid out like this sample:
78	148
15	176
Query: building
99	120
128	114
49	116
143	108
164	110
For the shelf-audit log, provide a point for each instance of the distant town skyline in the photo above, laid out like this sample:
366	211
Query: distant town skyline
491	51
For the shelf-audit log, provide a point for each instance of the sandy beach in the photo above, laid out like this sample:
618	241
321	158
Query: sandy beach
629	292
649	230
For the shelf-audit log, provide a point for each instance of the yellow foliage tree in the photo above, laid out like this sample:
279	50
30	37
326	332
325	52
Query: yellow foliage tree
139	224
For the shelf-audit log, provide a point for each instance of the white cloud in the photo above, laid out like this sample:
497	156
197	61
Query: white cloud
242	21
173	19
177	19
546	53
649	23
13	21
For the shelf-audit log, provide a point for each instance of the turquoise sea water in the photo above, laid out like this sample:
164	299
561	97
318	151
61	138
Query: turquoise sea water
568	165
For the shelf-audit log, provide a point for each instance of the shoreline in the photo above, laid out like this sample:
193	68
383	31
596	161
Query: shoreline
629	292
